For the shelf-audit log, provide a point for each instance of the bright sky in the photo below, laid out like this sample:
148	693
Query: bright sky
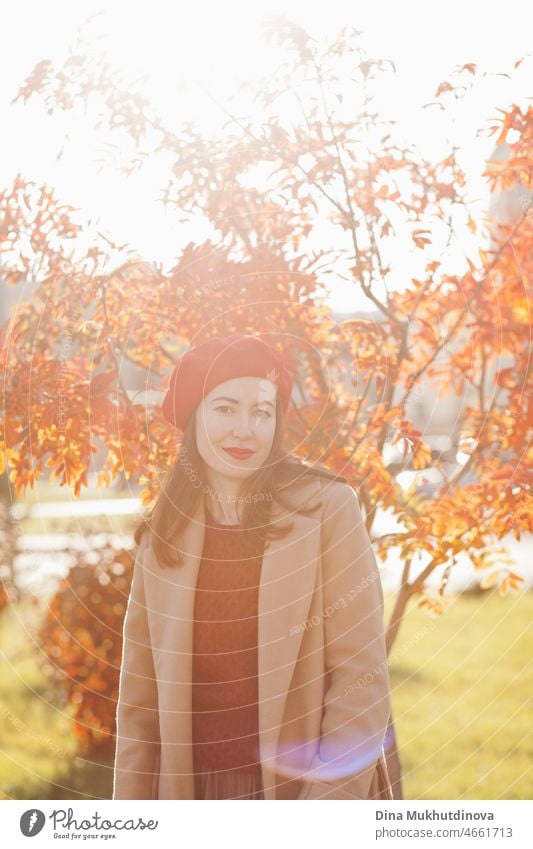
219	45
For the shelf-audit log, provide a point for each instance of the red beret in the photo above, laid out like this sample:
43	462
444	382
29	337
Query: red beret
222	358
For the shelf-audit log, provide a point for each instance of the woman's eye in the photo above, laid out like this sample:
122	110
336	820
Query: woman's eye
224	407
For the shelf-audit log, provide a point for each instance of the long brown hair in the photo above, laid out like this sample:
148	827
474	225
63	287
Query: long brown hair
184	482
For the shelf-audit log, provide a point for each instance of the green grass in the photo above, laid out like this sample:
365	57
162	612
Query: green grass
462	697
83	525
46	492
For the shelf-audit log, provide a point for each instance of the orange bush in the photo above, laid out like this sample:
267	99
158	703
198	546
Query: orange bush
81	643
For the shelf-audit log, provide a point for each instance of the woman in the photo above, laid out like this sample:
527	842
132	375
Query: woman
254	662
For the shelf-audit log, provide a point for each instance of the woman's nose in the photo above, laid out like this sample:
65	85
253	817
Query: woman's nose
245	424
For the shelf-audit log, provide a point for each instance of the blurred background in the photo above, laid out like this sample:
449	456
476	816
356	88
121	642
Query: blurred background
461	662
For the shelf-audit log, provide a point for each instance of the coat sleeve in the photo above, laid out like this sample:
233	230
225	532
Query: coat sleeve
357	689
136	768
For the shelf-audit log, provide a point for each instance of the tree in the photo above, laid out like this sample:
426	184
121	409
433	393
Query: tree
264	273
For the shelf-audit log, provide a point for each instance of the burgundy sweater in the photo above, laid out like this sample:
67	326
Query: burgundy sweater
224	680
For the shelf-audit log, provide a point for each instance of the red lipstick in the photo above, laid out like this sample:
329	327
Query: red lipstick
239	453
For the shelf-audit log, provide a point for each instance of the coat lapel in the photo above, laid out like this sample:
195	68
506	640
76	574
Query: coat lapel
287	583
288	578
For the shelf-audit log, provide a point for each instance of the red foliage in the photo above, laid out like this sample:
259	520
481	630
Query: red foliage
81	642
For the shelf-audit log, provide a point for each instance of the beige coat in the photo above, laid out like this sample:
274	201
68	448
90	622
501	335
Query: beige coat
324	697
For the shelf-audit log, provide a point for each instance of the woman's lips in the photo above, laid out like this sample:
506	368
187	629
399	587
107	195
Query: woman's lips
239	453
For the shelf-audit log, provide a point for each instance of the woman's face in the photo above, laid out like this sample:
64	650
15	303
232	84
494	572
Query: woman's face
237	414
